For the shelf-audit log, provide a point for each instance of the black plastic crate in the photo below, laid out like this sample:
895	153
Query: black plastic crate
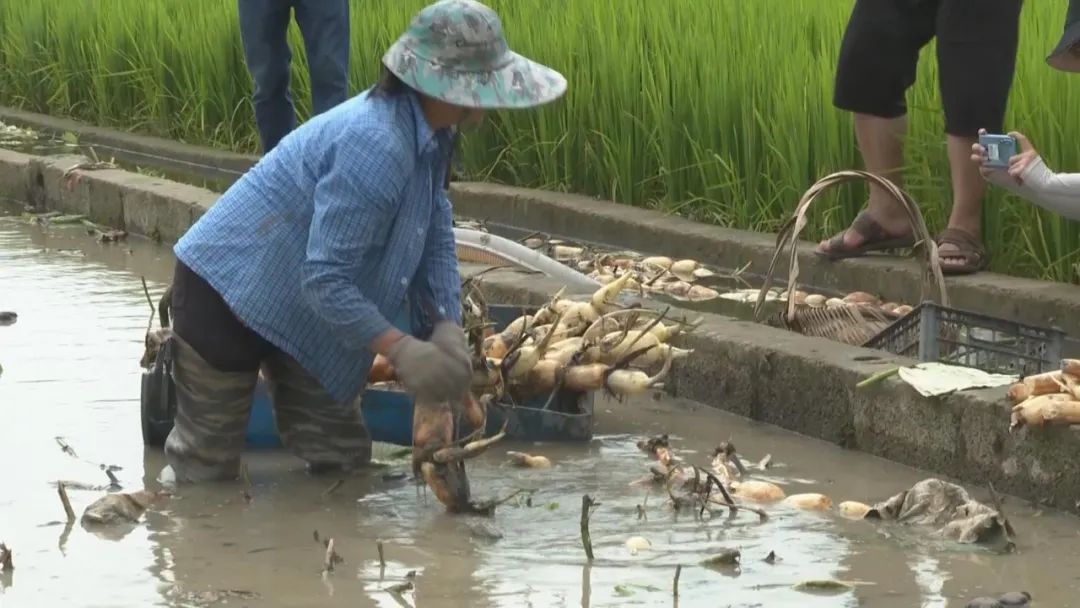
932	332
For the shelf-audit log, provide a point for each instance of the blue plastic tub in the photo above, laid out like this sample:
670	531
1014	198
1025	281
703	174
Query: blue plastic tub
388	415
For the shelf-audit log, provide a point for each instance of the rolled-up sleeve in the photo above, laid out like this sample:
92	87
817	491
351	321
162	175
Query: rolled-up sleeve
364	174
439	280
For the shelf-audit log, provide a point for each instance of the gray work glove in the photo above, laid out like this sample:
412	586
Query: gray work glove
429	372
451	339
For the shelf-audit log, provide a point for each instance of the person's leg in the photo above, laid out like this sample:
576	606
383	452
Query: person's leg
264	27
328	434
215	367
977	44
878	59
325	26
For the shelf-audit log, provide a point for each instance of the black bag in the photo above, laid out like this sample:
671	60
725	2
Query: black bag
158	407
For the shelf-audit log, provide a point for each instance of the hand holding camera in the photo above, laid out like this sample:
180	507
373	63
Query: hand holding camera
1000	153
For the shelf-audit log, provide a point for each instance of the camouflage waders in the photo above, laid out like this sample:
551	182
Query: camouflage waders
214	398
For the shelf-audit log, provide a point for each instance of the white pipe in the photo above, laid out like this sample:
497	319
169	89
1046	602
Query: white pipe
516	253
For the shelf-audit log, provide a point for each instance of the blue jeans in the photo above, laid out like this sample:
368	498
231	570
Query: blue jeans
263	29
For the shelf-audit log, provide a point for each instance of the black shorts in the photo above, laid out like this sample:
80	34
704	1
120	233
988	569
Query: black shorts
202	319
976	54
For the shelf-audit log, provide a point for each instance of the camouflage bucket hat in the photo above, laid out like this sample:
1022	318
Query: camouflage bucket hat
455	51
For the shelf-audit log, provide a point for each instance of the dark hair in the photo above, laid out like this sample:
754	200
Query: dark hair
388	84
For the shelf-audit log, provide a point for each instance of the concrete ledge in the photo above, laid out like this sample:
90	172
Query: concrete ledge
591	220
586	219
205	162
786	379
140	204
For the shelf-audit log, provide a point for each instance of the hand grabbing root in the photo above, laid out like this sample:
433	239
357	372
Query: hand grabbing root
439	460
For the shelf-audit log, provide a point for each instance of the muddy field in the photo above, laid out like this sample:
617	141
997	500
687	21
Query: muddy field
70	370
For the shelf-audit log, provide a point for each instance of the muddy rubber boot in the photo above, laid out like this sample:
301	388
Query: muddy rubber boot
212	409
328	434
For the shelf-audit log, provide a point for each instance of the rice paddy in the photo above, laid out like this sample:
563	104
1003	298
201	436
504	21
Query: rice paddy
719	111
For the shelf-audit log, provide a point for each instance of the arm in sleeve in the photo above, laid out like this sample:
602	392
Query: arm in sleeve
365	172
438	280
1056	192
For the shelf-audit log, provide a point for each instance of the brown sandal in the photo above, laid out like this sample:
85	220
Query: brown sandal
968	248
874	239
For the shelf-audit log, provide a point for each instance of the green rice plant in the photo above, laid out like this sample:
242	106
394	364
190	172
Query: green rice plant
716	110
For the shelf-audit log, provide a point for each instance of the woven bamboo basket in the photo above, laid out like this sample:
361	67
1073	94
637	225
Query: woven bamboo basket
851	324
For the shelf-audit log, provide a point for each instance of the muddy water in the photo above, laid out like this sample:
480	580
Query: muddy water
71	370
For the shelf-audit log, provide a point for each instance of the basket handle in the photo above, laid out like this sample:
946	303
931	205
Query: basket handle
789	237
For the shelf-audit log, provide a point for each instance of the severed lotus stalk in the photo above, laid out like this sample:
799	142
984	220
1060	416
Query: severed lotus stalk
548	311
564	350
523	358
616	345
579	315
599	327
469	450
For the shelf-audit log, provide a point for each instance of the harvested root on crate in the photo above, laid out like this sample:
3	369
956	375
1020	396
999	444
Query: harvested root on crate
1043	410
1071	367
1038	384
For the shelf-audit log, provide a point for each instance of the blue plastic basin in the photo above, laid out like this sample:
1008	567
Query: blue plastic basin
388	415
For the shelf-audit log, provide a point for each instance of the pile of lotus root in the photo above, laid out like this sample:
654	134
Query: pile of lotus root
1049	398
592	344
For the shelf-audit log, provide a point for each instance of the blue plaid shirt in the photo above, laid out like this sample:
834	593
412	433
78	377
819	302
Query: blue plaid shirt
318	246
